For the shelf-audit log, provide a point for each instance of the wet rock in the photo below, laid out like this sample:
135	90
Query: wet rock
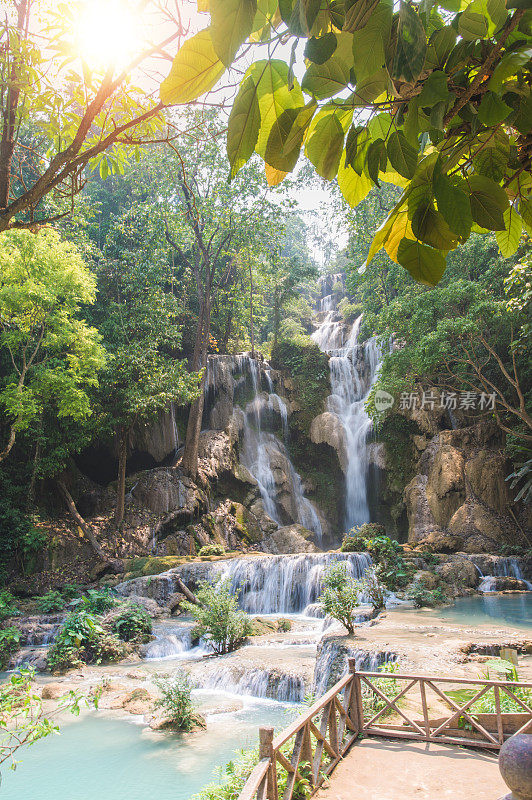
290	539
174	601
148	604
328	429
160	721
459	572
165	491
139	701
29	657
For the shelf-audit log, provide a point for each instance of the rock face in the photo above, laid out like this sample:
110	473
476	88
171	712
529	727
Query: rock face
459	499
327	429
290	539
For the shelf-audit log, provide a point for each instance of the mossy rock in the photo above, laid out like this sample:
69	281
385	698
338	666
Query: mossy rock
260	627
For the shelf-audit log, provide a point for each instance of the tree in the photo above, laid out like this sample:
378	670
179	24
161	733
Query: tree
435	98
54	355
218	618
60	112
341	595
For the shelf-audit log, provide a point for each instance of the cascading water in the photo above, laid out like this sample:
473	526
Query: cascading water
353	370
262	449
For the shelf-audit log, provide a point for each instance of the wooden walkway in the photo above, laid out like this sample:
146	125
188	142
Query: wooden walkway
386	769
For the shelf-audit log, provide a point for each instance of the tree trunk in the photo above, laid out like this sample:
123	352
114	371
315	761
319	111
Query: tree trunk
189	464
7	142
80	521
121	483
9	446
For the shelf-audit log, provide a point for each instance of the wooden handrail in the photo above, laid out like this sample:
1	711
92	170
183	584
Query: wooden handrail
343	721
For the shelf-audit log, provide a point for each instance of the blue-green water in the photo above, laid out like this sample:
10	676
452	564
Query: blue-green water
504	609
102	758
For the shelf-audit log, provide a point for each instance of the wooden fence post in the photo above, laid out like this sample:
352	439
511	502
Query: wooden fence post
266	751
356	710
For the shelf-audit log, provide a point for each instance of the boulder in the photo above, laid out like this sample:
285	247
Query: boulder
459	572
327	428
478	527
160	721
289	539
139	701
53	691
148	604
165	491
445	488
486	472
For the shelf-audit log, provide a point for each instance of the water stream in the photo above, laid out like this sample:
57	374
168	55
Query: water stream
353	370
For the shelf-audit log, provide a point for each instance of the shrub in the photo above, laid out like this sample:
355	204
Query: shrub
232	778
309	368
82	640
218	617
373	587
340	595
8	606
284	625
176	700
422	596
130	622
98	601
391	567
9	644
212	550
50	602
70	591
356	541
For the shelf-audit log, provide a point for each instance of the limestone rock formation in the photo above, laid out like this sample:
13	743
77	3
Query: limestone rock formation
459	500
290	539
327	429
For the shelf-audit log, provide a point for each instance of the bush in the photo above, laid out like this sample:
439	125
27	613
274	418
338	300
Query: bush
50	602
9	644
373	587
212	550
98	601
303	360
176	700
82	640
284	625
218	618
391	567
8	606
341	595
426	597
130	622
70	591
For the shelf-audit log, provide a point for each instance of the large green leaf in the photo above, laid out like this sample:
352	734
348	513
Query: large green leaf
525	209
423	263
472	25
411	46
430	226
354	187
488	202
403	157
319	50
243	127
492	109
508	66
308	11
441	43
286	137
358	13
274	94
454	206
324	146
352	142
326	80
195	70
434	90
508	239
231	24
369	43
376	159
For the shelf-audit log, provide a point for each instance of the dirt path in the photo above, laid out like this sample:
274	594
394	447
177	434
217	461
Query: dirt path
385	769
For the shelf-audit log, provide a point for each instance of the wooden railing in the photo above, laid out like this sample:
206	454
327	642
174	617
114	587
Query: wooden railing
309	749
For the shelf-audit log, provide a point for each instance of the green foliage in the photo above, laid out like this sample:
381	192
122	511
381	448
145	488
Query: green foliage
83	640
8	606
392	569
232	778
50	602
309	369
131	623
97	601
211	550
389	687
284	625
9	644
421	596
218	619
372	587
340	595
360	58
495	669
70	591
176	699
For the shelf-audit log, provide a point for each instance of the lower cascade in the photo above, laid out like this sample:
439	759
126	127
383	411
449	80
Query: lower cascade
284	584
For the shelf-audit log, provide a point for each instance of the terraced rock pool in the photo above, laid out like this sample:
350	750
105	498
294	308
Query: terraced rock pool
513	609
103	758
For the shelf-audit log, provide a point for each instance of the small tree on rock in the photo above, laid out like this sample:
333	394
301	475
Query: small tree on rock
341	595
219	620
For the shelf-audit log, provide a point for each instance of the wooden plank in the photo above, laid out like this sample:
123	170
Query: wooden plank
312	712
500	730
392	704
424	706
524	727
258	775
394	734
294	761
322	741
333	730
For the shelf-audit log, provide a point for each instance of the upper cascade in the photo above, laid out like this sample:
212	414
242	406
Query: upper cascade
353	369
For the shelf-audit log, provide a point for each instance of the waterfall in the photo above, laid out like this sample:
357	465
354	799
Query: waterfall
267	683
284	584
262	451
492	567
332	662
353	370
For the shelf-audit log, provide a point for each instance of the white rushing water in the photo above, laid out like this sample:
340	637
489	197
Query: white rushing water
262	451
353	370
